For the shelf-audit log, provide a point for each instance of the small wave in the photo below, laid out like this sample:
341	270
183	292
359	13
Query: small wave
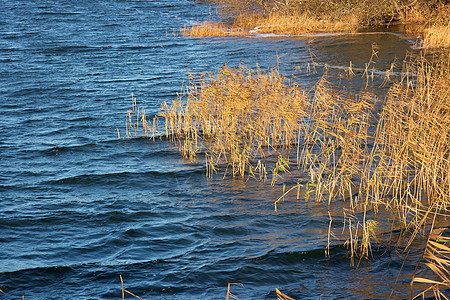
158	149
56	13
131	79
121	178
73	49
32	271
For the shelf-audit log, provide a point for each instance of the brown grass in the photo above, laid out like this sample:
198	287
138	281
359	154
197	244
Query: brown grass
278	23
407	169
124	291
237	117
281	296
296	17
293	24
437	258
394	159
437	36
230	295
211	28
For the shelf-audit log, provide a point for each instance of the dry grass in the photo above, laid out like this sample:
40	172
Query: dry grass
278	23
293	24
124	291
250	123
211	28
237	118
437	258
406	171
230	295
295	17
437	36
281	296
409	166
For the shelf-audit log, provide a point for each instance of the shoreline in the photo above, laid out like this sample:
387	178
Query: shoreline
432	27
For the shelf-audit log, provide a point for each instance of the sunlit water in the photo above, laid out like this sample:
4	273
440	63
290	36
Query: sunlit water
79	207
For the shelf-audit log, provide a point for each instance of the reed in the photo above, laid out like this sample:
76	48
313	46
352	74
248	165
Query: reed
409	164
300	17
230	295
391	158
436	258
293	23
282	296
401	167
211	28
275	22
124	291
437	36
239	118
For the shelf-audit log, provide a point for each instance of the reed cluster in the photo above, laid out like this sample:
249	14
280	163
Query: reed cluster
237	117
275	22
437	258
211	28
437	36
437	31
300	17
391	157
240	119
294	23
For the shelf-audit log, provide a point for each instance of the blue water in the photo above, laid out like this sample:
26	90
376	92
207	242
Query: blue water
79	207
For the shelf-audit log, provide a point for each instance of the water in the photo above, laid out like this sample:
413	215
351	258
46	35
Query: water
81	207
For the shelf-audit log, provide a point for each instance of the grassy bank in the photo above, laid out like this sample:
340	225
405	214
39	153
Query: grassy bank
300	16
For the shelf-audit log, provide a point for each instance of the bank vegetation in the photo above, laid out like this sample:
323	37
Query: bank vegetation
243	17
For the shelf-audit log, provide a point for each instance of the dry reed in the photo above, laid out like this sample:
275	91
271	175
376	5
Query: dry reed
237	117
437	36
278	23
230	295
281	296
300	17
211	28
126	291
437	258
395	160
293	24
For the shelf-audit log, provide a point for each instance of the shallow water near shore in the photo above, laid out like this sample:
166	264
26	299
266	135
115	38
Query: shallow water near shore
81	207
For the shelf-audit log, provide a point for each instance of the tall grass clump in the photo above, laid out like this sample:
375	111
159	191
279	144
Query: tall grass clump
293	23
299	16
390	159
409	165
437	31
211	28
437	36
371	158
413	166
333	146
237	117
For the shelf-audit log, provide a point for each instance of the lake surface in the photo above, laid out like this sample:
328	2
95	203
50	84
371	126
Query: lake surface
79	207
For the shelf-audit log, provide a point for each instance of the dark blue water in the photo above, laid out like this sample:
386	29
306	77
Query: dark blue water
79	207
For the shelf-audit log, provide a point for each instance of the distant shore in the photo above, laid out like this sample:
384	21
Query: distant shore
431	19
